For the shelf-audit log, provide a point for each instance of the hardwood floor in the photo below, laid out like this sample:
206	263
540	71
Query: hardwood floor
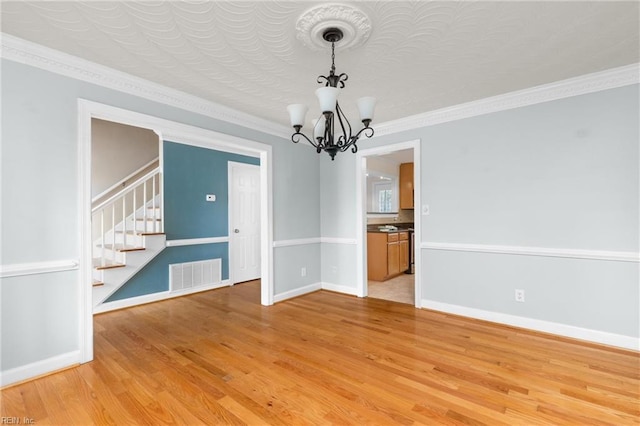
324	358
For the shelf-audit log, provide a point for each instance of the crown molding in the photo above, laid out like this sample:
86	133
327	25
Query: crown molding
32	54
29	53
589	83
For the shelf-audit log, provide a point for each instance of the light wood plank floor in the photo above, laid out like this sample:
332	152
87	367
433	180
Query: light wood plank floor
221	358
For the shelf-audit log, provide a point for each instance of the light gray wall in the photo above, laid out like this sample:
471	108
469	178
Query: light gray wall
289	262
39	145
118	150
561	174
338	219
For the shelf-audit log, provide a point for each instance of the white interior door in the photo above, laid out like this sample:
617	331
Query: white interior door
244	222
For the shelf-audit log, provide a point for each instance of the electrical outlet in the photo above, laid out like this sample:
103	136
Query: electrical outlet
519	295
303	272
210	197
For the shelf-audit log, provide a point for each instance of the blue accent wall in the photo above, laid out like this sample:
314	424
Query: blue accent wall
190	173
154	277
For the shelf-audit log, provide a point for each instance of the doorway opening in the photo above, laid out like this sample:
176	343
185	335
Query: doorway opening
389	199
167	130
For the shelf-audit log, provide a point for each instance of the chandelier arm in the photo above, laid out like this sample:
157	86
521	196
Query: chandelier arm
341	79
346	137
295	138
367	131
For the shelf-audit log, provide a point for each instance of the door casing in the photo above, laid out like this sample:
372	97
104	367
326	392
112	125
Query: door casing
361	213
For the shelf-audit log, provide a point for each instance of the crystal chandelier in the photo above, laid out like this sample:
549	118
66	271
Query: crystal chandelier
324	128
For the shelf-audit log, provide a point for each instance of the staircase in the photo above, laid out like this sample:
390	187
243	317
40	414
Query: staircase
128	232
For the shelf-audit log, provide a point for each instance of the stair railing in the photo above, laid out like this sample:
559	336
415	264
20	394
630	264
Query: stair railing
144	194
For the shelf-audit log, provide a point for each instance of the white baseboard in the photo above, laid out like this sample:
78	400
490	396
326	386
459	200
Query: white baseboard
154	297
340	288
296	292
564	330
39	368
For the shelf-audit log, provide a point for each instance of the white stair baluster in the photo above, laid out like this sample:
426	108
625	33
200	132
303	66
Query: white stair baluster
150	198
103	237
124	220
144	206
113	232
135	208
153	202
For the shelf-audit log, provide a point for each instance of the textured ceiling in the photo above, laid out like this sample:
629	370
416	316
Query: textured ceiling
419	56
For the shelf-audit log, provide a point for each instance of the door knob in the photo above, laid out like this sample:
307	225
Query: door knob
236	230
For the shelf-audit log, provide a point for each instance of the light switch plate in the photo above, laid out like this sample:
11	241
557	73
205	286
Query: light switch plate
211	197
425	209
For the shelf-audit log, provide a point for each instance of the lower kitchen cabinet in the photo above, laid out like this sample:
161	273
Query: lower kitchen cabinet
387	254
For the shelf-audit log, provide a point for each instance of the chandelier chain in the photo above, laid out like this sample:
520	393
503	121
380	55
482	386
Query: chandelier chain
333	58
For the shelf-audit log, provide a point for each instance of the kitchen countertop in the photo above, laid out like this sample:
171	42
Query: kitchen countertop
376	230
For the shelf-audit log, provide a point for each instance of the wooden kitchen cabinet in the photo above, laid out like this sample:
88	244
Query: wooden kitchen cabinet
406	185
387	254
403	248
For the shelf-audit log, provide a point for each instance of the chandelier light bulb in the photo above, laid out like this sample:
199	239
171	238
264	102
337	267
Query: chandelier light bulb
366	106
328	96
297	114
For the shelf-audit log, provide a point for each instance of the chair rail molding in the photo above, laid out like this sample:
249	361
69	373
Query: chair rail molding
618	256
46	267
196	241
314	240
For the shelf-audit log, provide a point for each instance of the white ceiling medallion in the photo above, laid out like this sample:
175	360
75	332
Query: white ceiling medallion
354	24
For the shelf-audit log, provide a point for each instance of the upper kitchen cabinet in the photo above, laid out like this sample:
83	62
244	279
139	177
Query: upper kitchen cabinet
406	185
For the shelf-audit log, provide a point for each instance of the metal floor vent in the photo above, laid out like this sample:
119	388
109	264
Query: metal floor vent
194	274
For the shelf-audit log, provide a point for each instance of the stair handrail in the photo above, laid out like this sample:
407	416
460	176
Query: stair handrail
126	190
123	182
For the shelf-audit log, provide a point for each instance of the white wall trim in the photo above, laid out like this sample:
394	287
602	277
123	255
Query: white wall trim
196	241
297	292
589	83
188	135
352	291
618	256
297	242
314	287
334	240
155	297
565	330
28	53
314	240
20	269
38	368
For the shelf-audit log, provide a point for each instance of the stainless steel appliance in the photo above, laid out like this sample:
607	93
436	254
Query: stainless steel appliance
412	251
